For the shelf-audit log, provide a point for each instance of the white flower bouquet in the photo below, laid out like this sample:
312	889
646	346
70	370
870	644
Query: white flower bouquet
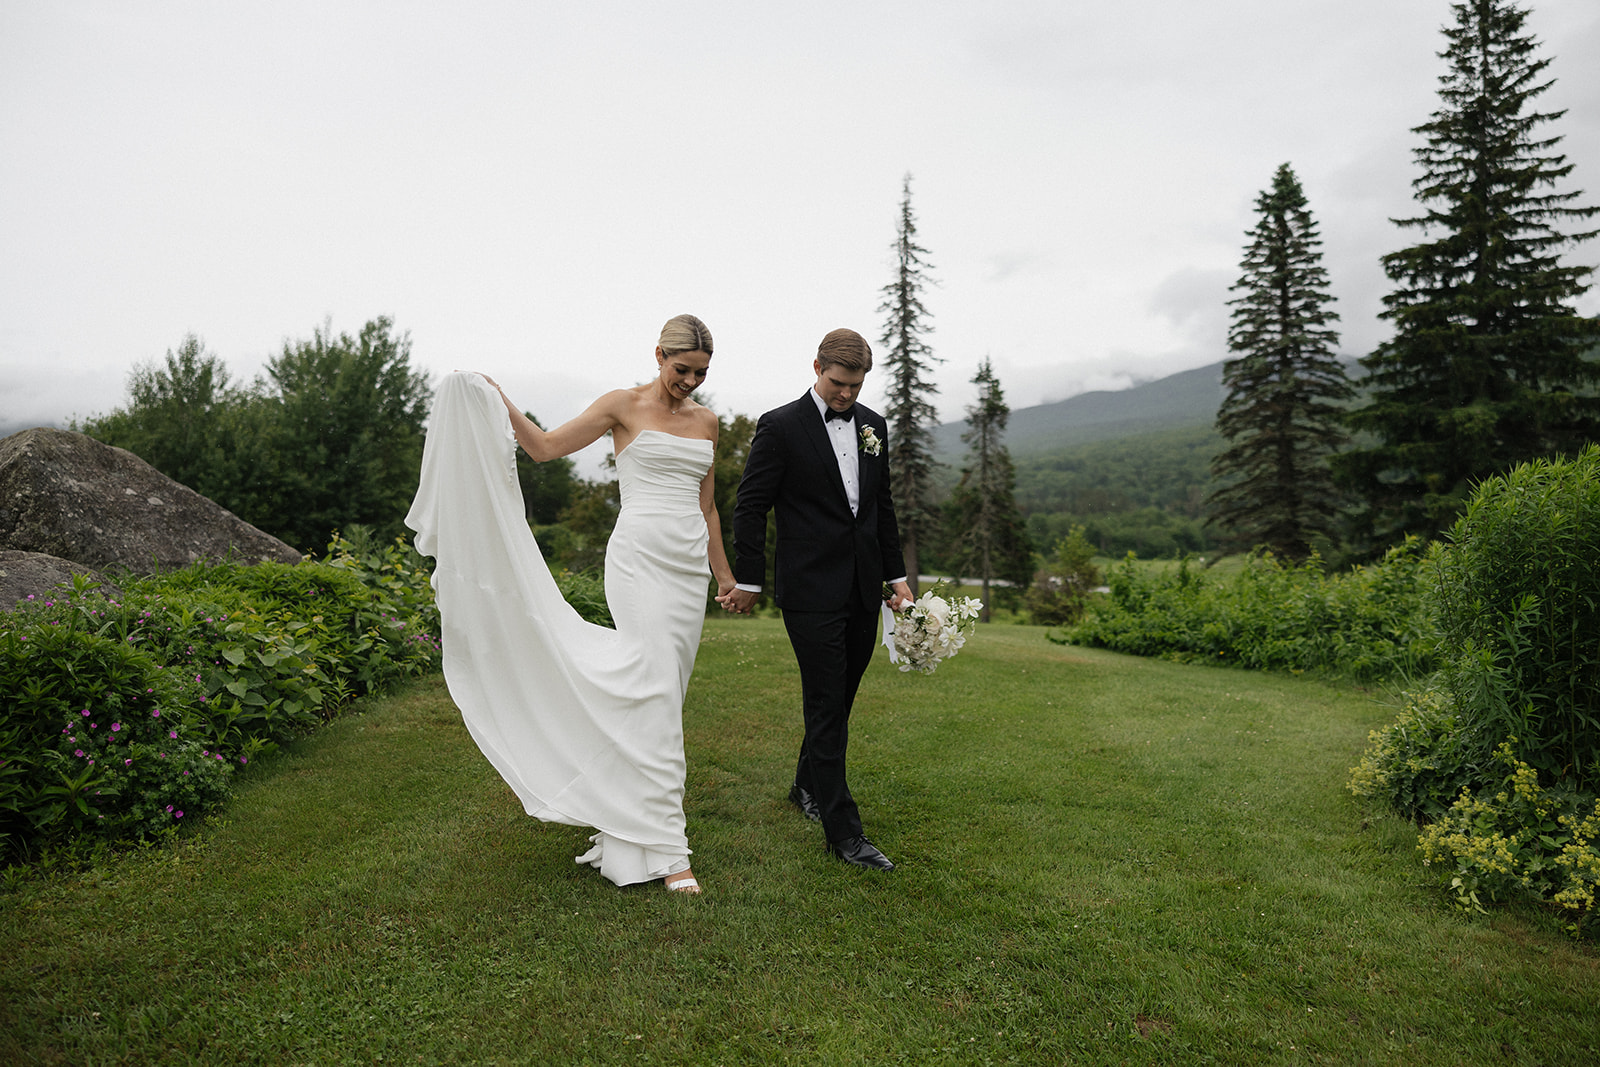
930	631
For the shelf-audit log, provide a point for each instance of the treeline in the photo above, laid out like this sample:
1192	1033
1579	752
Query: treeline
1143	494
329	436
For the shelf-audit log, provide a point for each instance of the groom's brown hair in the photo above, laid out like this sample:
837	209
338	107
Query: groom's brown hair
845	348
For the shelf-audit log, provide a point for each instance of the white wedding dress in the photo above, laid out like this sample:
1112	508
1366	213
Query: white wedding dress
583	722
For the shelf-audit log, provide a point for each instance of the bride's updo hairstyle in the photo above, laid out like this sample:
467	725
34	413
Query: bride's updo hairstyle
685	333
845	348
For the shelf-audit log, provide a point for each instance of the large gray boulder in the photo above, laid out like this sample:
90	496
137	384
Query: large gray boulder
71	496
25	574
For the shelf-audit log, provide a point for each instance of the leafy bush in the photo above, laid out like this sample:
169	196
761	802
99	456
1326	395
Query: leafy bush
1419	763
1523	840
1519	598
97	739
191	673
1368	623
1500	752
1061	588
586	592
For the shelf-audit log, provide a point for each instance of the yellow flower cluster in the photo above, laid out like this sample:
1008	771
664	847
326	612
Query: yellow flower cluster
1509	842
1581	858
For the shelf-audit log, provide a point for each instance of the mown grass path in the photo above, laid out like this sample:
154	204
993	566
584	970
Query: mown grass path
1102	860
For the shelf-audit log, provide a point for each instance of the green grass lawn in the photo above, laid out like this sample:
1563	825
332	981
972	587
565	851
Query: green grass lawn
1101	860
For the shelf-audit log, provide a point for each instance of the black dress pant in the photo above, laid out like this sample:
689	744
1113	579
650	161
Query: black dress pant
832	649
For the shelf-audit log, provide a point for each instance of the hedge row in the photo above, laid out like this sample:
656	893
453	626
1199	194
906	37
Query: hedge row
123	715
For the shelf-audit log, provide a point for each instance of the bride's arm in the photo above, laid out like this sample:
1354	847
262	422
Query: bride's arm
543	445
716	551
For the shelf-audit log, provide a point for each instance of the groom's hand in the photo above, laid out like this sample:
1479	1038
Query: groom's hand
902	597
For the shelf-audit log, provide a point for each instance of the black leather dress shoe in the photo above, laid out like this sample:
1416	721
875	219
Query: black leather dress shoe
805	802
861	852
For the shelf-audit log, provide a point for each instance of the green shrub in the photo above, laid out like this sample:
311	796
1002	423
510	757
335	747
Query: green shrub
230	660
1500	753
1519	601
1368	623
1523	840
1419	763
400	577
586	592
1062	587
96	740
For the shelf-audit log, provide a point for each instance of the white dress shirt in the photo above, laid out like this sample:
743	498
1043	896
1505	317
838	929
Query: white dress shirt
842	434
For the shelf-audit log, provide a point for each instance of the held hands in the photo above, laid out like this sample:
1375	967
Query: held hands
738	601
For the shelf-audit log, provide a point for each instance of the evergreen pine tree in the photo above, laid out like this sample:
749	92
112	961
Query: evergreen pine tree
1487	367
1281	413
986	537
909	408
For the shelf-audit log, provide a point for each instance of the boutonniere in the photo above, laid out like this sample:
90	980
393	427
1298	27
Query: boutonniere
869	442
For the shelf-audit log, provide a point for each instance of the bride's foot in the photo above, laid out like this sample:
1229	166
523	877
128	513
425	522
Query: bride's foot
682	882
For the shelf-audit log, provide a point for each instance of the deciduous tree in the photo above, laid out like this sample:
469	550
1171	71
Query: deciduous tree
172	415
347	433
330	436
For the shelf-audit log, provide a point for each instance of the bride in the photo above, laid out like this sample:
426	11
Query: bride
583	722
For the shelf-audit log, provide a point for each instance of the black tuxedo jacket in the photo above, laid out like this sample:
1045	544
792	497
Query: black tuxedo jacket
822	549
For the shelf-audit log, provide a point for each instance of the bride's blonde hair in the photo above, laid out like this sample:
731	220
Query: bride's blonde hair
685	333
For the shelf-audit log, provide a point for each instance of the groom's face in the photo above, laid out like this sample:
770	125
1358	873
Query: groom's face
837	386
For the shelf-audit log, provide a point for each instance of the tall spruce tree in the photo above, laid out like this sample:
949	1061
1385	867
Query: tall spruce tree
985	534
1281	412
909	409
1487	367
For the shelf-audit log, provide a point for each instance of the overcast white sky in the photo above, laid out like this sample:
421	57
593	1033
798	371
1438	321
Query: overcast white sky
532	188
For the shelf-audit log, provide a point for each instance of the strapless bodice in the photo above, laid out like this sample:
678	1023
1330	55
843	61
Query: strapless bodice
660	472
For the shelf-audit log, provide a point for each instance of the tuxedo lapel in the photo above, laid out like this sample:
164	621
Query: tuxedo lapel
816	431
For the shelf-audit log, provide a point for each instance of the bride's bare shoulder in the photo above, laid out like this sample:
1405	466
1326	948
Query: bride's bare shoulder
705	421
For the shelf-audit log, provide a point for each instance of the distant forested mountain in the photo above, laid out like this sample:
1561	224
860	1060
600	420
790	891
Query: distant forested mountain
1187	398
1133	465
1160	469
1146	446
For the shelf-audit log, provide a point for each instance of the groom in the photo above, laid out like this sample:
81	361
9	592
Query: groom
821	464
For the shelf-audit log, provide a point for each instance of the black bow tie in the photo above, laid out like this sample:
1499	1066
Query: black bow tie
847	414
